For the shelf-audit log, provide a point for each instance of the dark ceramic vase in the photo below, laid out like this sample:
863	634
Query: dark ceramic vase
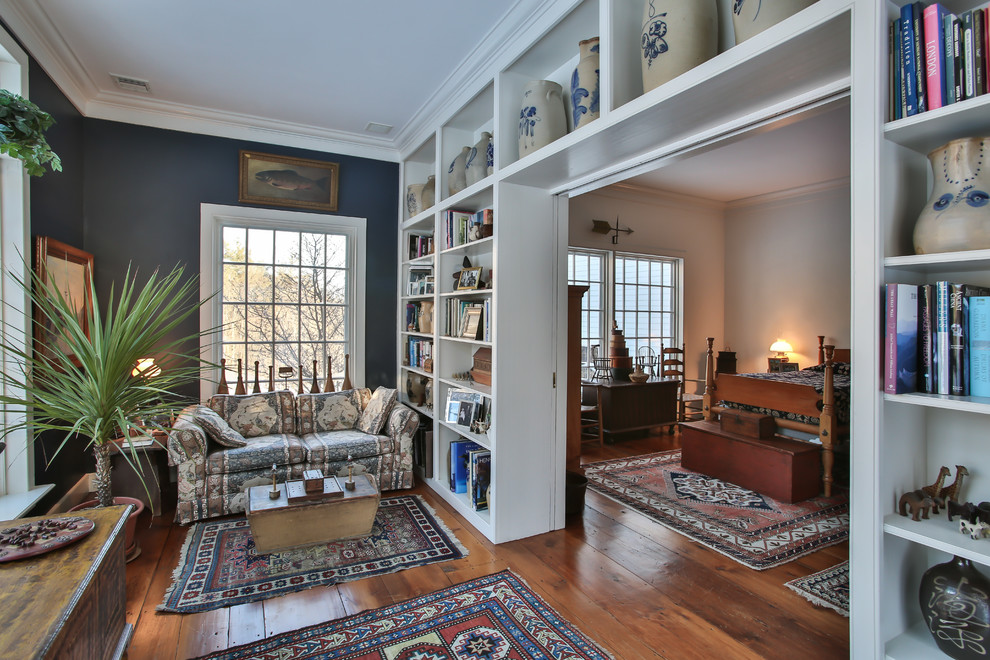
955	601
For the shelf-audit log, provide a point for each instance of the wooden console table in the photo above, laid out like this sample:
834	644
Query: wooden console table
628	406
68	603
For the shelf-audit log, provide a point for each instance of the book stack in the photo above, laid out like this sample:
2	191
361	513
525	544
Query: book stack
470	471
462	227
936	58
937	339
418	351
470	320
420	246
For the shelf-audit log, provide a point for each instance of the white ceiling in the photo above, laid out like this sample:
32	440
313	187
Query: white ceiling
314	73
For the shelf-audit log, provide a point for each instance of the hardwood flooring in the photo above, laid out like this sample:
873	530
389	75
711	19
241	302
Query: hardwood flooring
635	587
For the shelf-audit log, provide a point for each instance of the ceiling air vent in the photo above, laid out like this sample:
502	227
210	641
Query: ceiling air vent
129	84
375	127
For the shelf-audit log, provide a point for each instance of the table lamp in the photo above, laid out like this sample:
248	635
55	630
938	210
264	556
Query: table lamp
781	348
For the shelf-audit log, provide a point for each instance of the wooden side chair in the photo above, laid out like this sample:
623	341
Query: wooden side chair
591	414
647	360
689	405
600	366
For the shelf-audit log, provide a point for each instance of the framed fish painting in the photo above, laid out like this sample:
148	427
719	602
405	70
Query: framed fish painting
285	181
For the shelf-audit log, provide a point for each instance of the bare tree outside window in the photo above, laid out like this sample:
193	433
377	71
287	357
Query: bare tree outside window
285	301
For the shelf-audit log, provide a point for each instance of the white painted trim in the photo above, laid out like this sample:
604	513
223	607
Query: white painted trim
14	506
790	194
212	219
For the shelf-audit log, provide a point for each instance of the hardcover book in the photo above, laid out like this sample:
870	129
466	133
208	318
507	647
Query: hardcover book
917	9
926	339
900	373
968	54
459	464
949	60
942	337
959	296
907	56
479	477
934	33
979	346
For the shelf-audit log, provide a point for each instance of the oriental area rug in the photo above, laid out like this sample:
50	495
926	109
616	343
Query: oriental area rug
496	616
753	529
828	588
218	566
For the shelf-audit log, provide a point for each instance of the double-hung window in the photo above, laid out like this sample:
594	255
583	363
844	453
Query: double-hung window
289	294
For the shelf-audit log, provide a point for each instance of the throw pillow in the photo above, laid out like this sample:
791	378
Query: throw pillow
253	415
329	411
376	413
216	428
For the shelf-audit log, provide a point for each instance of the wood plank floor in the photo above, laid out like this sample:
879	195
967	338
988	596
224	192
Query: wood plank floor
638	589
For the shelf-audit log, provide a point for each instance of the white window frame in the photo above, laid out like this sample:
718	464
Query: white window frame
18	492
214	217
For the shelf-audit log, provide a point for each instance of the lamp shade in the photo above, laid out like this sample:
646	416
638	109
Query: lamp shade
146	367
781	346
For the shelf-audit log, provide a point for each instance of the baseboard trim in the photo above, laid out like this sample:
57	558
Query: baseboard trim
78	494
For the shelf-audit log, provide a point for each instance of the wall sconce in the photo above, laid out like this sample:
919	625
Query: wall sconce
781	348
146	368
602	227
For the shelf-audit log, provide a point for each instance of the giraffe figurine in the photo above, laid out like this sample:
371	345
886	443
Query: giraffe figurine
933	490
951	492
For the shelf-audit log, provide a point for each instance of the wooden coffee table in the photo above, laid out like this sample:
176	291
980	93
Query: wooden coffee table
278	524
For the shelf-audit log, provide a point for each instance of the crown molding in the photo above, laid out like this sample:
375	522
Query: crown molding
646	195
786	196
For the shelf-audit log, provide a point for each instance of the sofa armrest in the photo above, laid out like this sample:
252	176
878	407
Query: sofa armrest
186	442
400	427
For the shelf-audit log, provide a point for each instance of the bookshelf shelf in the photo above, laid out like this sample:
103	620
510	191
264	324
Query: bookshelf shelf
417	370
915	643
942	262
481	439
468	385
460	340
422	410
480	519
930	130
479	245
426	260
939	534
979	405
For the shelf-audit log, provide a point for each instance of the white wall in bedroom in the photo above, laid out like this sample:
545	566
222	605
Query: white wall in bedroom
669	225
787	274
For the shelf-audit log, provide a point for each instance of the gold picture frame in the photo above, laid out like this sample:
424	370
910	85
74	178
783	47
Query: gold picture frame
286	181
68	270
469	279
471	323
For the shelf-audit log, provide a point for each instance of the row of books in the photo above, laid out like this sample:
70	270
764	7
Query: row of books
937	57
470	471
470	320
937	339
420	246
418	351
462	227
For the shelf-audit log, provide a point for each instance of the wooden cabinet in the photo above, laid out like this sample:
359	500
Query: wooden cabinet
638	406
68	604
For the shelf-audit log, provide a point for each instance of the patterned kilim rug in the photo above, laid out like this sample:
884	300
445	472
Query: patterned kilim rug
496	616
753	529
828	588
218	566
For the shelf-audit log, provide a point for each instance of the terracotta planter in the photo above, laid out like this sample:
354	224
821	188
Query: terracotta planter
131	548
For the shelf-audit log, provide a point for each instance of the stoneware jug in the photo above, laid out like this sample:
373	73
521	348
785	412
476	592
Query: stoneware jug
541	117
456	181
676	37
750	17
584	85
414	198
955	604
476	166
429	192
957	215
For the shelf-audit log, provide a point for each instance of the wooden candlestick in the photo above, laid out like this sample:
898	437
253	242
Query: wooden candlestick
302	389
257	383
315	387
239	389
328	385
271	378
222	387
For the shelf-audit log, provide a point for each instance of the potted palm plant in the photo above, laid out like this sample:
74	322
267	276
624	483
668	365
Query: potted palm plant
95	396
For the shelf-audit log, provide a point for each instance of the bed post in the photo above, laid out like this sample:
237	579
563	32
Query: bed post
826	423
709	398
821	352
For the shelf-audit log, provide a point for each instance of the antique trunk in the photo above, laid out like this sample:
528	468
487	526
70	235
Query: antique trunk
278	524
749	424
786	470
481	372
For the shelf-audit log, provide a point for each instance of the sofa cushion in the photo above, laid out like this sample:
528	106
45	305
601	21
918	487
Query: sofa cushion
330	411
376	413
216	428
324	448
260	453
254	415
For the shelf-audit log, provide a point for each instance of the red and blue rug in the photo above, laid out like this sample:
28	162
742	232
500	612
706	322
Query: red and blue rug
489	618
828	588
753	529
218	566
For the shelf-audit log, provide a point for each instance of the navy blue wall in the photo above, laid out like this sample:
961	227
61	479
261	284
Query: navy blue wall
131	195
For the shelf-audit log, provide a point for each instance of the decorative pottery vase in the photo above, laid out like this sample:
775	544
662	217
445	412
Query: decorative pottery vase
414	198
955	603
429	192
428	393
676	37
584	85
638	375
957	215
750	17
456	181
542	118
476	167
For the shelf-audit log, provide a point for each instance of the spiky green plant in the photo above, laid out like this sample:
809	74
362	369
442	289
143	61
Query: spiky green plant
95	396
22	133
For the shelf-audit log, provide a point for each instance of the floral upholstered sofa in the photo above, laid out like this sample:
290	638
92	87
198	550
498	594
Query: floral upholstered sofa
222	449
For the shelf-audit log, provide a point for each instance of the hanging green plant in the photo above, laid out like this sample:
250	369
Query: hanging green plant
22	133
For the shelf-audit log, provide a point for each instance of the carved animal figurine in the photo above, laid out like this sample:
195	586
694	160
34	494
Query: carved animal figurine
933	490
982	512
951	492
975	530
966	511
917	501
